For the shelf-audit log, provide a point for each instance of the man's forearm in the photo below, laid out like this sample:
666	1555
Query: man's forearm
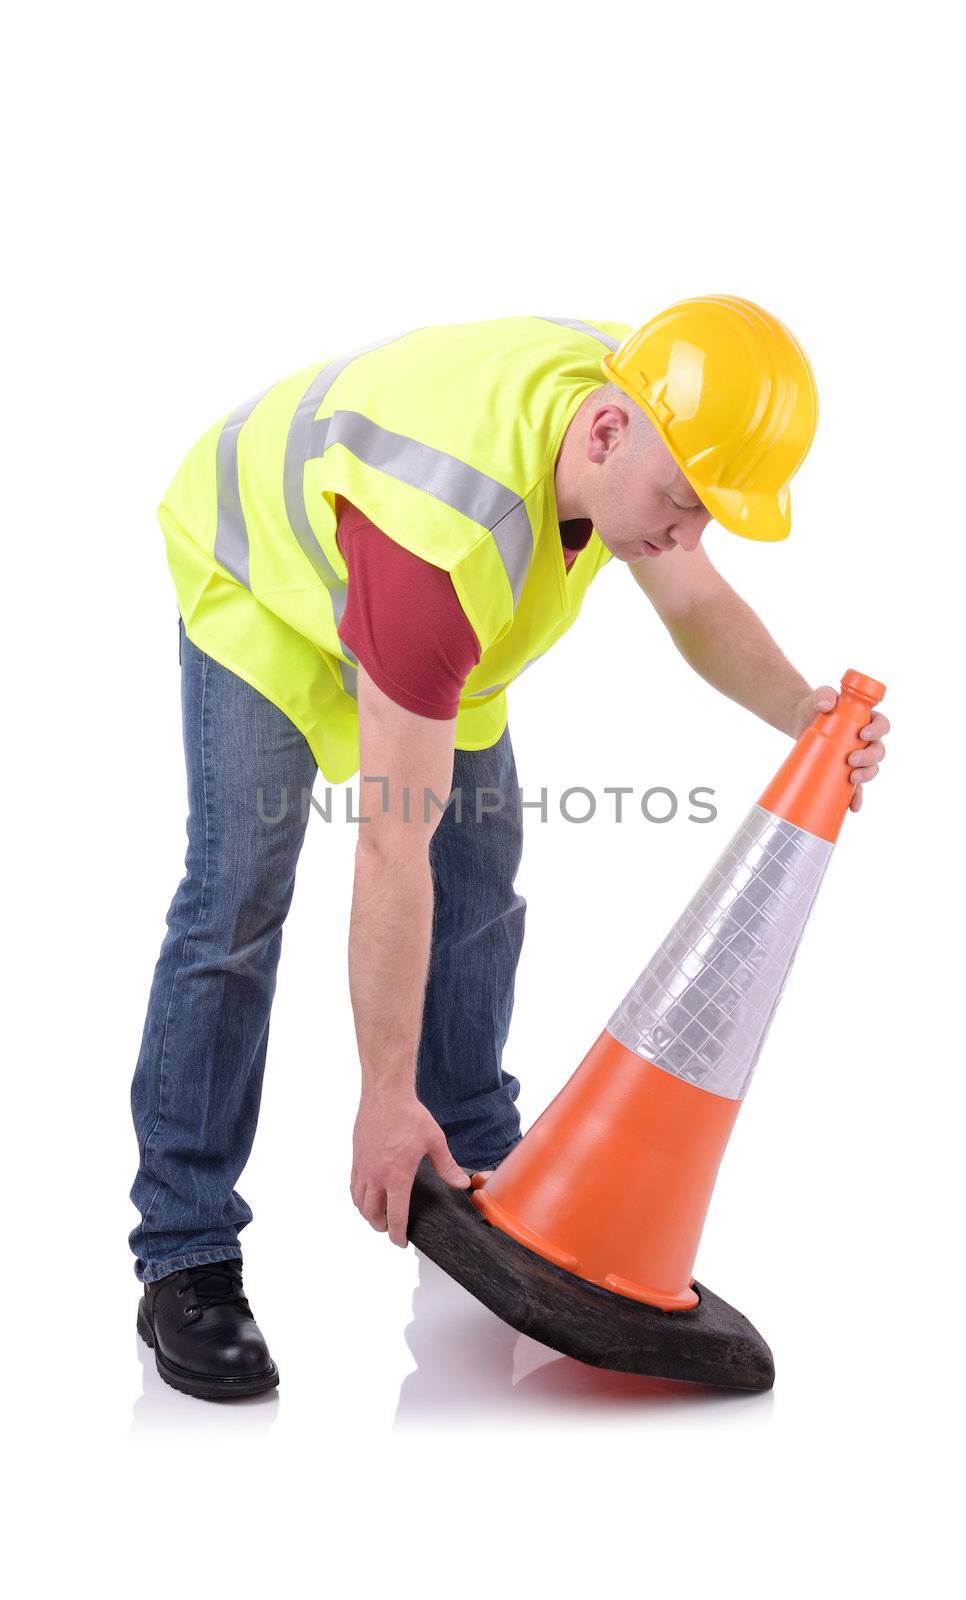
730	647
390	932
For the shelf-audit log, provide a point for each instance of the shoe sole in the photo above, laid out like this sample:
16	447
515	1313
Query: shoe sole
202	1388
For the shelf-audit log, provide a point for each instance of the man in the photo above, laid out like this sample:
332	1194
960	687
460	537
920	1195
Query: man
365	555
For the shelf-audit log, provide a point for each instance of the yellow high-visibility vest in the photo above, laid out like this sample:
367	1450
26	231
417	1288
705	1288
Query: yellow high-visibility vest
446	438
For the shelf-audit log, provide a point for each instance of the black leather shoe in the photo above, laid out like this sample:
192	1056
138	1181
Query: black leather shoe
205	1340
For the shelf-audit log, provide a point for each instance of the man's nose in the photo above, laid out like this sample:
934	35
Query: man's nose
687	534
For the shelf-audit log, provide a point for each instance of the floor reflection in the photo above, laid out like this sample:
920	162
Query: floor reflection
467	1360
160	1409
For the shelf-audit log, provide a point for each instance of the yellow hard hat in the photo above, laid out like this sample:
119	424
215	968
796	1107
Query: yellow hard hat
733	395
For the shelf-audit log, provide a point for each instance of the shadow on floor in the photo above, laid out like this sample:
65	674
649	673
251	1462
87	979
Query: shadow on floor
160	1409
469	1362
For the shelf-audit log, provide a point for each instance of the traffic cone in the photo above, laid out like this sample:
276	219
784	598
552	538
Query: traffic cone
612	1183
595	1217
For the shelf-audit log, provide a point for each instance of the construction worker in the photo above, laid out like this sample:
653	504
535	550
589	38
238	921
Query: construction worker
365	554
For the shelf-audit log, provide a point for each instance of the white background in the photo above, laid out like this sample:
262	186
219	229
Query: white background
201	199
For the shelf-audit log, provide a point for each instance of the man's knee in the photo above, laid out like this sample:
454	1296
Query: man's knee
236	893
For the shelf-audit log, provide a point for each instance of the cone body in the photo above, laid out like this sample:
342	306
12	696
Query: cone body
614	1180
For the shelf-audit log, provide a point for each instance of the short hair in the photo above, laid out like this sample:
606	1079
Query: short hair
643	431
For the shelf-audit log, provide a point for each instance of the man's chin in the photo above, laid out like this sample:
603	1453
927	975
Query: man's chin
622	549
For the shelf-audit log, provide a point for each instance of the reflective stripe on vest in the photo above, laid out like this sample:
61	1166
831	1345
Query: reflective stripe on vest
584	327
300	447
478	693
463	488
612	344
480	498
231	534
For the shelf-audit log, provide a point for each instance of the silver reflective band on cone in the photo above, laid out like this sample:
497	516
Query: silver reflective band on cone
703	1004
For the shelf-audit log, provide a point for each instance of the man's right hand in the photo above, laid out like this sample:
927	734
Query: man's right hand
393	1132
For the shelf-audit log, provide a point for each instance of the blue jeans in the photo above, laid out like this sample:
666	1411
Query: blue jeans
198	1082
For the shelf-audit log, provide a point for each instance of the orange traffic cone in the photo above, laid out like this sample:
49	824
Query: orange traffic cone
612	1183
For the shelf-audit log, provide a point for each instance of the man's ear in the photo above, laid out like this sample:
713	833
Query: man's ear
607	427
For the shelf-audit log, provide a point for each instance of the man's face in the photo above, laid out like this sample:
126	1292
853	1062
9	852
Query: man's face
642	504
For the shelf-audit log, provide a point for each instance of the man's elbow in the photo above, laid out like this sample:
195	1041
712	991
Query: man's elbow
394	841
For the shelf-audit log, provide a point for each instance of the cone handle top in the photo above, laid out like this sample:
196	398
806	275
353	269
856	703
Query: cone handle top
812	789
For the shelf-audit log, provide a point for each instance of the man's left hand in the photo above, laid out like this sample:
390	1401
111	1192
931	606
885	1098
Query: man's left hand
864	762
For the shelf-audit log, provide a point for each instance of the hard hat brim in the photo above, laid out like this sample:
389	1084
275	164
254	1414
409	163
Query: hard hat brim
765	517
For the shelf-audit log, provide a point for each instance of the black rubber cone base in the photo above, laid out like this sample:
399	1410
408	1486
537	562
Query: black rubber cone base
713	1344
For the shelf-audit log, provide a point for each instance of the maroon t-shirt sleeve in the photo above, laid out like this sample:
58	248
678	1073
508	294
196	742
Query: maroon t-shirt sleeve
403	620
